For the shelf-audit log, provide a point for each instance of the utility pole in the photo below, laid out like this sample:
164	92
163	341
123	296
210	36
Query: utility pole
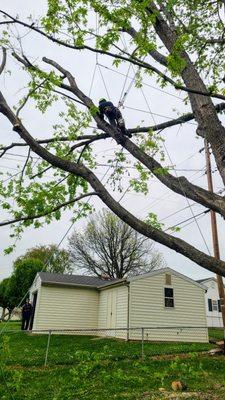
216	249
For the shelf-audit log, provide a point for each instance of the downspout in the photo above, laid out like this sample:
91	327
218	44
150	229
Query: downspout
128	312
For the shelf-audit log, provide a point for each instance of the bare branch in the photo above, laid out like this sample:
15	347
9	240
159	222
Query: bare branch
32	217
177	121
68	97
28	96
4	55
24	167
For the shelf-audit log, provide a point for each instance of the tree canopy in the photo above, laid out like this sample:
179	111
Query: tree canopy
180	43
24	272
54	259
5	298
112	248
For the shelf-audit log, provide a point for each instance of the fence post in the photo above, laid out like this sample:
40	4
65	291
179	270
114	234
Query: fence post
47	348
142	343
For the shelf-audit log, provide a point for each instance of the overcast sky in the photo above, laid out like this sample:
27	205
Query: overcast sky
153	106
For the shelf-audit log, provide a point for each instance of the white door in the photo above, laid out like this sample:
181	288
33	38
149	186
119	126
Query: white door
111	312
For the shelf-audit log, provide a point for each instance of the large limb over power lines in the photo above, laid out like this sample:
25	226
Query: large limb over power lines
163	23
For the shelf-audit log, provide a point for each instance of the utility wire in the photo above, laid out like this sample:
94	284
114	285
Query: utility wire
188	219
158	115
103	80
143	83
167	152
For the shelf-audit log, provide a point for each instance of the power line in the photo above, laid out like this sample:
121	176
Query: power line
103	80
167	152
188	219
143	83
158	115
177	212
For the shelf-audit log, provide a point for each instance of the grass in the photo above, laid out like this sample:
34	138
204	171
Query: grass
81	367
216	333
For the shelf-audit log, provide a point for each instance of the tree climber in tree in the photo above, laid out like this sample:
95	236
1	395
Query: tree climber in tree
106	108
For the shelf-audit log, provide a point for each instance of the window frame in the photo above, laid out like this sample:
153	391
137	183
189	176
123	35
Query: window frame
168	298
214	305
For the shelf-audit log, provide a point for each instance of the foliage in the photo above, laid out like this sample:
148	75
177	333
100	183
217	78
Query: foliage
46	258
24	272
177	41
5	299
108	246
182	370
54	259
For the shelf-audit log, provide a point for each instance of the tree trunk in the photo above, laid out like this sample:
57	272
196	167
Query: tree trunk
209	125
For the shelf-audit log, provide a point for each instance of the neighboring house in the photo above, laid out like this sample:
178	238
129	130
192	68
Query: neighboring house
212	303
162	298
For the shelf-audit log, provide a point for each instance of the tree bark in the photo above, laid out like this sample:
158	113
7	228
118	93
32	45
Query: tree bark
179	245
209	125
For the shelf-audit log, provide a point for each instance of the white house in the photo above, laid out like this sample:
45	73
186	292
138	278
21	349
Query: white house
162	298
212	303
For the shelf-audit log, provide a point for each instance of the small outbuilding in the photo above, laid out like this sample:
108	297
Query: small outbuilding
168	305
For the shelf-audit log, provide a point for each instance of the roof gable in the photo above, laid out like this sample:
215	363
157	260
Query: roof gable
164	271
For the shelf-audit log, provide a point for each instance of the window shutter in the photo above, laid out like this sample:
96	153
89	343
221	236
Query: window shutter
210	304
219	305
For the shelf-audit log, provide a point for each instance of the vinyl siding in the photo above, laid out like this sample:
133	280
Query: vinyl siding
214	318
67	308
113	303
147	309
36	287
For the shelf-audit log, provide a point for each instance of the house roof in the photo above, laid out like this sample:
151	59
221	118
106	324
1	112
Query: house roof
202	281
75	280
98	283
206	280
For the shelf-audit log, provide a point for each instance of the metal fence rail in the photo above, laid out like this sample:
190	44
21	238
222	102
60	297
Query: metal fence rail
68	346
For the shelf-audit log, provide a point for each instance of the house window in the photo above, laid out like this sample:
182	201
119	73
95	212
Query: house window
168	279
214	305
169	299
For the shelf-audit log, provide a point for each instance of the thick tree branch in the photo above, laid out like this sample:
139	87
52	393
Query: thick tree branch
179	245
130	59
87	139
179	185
32	217
160	58
209	125
91	138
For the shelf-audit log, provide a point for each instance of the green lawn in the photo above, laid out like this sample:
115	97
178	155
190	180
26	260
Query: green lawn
86	368
216	333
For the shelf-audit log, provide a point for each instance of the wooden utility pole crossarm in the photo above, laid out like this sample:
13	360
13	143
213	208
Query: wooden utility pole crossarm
215	239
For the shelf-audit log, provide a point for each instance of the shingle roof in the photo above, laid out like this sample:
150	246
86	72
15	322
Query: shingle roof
202	281
206	279
80	280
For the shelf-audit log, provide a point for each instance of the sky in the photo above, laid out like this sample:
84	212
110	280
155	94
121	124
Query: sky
150	105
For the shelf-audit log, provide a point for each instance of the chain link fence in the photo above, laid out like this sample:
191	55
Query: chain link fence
66	347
